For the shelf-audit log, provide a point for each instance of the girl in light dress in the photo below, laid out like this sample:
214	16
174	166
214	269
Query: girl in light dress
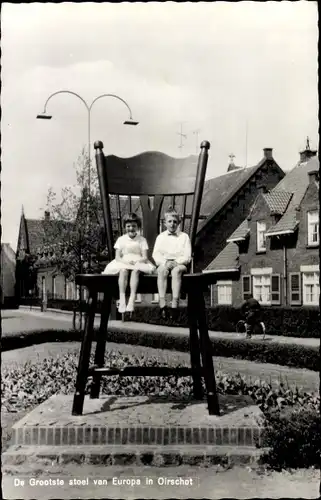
131	258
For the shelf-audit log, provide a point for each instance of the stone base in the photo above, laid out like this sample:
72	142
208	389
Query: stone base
117	420
143	455
120	430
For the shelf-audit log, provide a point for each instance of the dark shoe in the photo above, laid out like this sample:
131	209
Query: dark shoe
163	312
173	314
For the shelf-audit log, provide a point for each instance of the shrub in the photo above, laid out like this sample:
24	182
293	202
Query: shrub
286	321
292	437
255	350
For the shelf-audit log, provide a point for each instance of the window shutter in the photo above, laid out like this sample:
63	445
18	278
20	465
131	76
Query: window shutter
275	289
246	285
295	288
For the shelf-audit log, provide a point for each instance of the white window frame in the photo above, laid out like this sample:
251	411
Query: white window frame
295	292
262	278
310	288
313	228
224	292
261	236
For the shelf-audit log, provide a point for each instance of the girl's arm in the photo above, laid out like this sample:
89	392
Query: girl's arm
118	255
144	257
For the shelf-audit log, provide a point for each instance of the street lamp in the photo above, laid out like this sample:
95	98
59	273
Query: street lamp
45	116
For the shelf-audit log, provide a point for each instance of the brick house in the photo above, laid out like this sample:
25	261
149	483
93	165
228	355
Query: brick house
274	252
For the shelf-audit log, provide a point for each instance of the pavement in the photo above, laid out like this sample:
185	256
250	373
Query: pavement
26	319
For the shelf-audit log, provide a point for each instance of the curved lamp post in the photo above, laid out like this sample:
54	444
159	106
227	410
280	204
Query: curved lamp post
45	116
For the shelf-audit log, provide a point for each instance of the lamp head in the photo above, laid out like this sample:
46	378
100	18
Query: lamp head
43	116
130	122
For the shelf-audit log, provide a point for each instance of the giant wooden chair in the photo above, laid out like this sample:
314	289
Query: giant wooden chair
149	177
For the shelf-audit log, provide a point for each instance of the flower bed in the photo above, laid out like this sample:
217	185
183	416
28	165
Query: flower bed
33	383
292	422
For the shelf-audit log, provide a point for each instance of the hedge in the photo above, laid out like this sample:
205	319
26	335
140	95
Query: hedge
291	355
285	321
292	437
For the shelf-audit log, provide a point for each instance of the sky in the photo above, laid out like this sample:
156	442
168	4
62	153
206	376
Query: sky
244	75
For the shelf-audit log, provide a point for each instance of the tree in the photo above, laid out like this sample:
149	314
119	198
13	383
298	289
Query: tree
73	226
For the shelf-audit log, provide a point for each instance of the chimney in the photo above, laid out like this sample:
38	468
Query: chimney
307	153
268	153
47	215
313	176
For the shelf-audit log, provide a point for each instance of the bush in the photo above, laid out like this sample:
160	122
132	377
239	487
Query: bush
291	355
293	438
286	321
31	384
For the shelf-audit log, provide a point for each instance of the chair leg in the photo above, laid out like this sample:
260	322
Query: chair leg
84	358
207	356
194	347
101	345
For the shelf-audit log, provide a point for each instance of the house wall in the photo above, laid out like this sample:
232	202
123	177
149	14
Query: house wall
8	269
297	252
212	239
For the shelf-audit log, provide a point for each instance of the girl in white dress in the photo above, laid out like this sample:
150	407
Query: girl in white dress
131	258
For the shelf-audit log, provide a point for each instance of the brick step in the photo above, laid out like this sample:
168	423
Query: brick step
57	435
143	455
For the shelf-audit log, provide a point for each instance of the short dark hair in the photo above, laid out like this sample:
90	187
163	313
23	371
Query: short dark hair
132	217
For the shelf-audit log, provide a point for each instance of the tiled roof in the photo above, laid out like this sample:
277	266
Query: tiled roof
277	201
296	182
36	233
227	259
286	224
240	233
218	191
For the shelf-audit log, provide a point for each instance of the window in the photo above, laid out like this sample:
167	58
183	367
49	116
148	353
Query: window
54	286
246	287
295	288
155	298
313	228
260	236
138	298
276	289
262	288
224	292
70	289
43	287
311	288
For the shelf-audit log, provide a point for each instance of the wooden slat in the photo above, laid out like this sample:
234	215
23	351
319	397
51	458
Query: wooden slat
151	173
143	371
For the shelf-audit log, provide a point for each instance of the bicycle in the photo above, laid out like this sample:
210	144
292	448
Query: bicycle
258	329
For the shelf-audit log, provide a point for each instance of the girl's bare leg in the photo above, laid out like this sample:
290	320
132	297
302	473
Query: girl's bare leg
122	283
134	281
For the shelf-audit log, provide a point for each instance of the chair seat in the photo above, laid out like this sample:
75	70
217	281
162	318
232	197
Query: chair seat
147	283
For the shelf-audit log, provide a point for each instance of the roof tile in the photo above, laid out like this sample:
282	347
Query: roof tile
277	201
240	233
226	259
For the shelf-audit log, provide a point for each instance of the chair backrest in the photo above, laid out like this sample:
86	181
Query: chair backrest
143	182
